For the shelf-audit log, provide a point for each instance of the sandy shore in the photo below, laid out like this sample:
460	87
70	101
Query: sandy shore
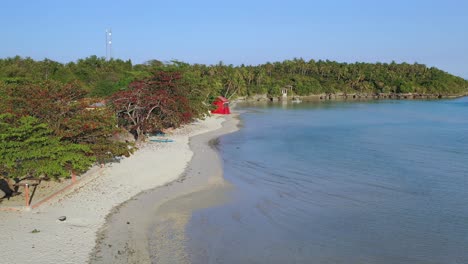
88	204
150	227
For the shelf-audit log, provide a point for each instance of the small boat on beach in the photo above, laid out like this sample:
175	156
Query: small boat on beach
164	140
160	137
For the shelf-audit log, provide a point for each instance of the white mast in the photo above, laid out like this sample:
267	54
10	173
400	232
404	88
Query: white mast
108	44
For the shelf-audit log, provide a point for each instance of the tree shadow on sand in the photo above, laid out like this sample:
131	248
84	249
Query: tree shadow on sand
7	190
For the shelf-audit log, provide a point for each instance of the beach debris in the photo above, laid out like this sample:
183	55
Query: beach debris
35	231
62	218
128	223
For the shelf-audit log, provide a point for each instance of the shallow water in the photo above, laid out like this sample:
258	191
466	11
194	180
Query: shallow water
338	182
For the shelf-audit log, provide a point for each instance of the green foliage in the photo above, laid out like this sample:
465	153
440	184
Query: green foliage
52	127
275	90
29	148
95	128
405	87
69	114
104	88
101	78
306	86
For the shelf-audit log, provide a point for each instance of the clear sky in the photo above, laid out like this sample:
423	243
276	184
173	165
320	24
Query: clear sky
431	32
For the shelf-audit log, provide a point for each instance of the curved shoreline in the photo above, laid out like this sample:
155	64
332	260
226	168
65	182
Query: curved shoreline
126	237
88	204
324	97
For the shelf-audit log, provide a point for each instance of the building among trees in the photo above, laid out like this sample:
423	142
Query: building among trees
222	106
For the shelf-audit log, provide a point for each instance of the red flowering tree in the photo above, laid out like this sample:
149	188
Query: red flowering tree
50	101
64	108
153	104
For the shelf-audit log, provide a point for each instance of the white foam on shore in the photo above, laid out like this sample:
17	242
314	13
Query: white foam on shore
87	204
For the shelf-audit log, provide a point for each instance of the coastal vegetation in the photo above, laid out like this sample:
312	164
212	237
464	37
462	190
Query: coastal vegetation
155	103
58	118
102	78
29	147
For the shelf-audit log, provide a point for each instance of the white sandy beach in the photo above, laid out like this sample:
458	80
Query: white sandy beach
89	202
150	228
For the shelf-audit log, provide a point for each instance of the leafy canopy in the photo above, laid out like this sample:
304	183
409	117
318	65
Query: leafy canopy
153	104
29	148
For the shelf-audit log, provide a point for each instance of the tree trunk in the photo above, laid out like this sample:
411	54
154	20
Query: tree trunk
139	134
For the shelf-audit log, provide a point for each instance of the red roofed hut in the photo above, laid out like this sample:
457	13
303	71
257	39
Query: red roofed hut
222	106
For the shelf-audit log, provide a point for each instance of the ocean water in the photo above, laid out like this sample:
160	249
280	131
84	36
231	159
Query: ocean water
341	182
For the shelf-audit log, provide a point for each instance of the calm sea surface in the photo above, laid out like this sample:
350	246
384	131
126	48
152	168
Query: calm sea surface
339	182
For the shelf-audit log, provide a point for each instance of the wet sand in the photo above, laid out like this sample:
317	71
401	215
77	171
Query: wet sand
87	204
151	226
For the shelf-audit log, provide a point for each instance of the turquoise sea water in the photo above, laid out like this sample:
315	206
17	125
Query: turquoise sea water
342	182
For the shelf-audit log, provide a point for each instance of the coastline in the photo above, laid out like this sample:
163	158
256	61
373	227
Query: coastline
37	236
151	226
348	97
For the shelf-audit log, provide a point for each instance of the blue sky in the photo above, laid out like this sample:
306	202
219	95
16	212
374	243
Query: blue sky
251	32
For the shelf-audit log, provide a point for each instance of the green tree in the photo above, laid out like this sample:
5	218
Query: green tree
69	114
29	148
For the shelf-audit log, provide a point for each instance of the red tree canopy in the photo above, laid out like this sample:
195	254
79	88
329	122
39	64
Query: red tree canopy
153	104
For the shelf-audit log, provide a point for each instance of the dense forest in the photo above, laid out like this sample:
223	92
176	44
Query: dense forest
103	78
57	119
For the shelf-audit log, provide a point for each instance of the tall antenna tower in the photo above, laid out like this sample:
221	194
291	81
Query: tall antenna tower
108	44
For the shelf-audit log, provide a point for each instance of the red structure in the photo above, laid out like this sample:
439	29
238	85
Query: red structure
222	106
